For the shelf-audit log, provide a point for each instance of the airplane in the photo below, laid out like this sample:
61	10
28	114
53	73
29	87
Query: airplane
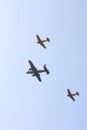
42	41
71	95
33	70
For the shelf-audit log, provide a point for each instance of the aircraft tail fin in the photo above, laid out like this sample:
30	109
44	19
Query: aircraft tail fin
46	70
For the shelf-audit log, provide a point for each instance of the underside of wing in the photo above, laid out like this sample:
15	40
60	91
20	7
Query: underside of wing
43	45
69	93
38	77
38	38
72	98
32	65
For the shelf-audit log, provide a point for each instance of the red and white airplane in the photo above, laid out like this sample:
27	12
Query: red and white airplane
72	95
41	42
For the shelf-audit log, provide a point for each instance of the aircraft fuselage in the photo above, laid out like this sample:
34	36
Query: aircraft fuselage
35	71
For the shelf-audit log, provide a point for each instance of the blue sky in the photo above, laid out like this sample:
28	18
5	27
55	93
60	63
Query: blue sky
25	103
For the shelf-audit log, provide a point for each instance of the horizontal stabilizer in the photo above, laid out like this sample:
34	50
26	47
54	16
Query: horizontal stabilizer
77	93
48	39
46	70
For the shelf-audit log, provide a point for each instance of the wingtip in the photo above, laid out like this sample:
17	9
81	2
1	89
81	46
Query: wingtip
29	61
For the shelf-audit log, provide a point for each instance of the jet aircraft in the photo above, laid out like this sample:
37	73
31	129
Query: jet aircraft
33	70
72	95
41	42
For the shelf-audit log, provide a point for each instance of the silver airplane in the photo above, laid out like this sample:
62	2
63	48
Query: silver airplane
41	42
33	70
72	95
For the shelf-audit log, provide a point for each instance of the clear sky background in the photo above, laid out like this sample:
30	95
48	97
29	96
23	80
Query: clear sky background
26	103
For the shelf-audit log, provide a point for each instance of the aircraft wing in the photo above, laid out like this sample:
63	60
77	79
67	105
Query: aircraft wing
32	66
38	38
38	77
42	45
40	41
70	95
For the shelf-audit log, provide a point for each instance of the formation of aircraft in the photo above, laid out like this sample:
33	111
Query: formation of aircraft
41	42
35	72
72	95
